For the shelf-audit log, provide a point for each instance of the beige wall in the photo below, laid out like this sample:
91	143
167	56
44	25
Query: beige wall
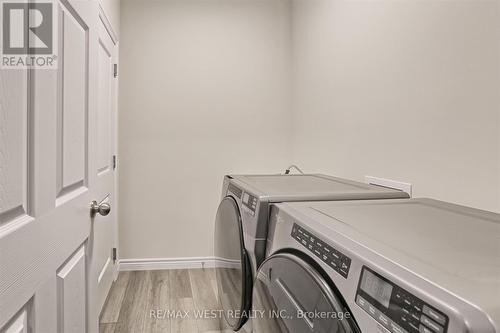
407	90
203	92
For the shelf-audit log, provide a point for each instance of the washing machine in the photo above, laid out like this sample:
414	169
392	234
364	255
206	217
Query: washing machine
242	222
400	266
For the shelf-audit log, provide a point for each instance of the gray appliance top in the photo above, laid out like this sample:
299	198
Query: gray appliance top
454	247
313	187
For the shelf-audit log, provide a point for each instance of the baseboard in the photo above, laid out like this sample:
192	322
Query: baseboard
168	263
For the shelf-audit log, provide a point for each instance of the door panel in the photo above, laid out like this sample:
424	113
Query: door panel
103	267
104	83
71	292
13	144
19	324
72	110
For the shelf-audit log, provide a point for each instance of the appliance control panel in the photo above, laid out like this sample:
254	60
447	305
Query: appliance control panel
249	202
237	192
327	253
396	309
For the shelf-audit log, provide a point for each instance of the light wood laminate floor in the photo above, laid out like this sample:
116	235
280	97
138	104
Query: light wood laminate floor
158	301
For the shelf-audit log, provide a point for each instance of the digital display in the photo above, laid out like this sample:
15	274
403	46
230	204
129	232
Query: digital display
376	287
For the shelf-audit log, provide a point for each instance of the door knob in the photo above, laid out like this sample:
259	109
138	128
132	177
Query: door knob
103	208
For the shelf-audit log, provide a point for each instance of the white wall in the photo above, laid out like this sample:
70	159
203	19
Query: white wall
406	90
203	92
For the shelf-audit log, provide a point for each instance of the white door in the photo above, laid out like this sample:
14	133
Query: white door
103	268
51	168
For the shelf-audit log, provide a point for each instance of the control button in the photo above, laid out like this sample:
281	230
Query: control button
372	310
346	263
361	301
397	329
431	324
423	329
415	316
434	315
414	322
407	301
383	319
405	310
329	255
414	326
418	308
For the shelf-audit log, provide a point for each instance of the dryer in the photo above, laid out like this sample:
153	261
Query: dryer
400	266
242	222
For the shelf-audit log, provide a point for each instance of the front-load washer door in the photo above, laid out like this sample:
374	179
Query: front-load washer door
233	271
291	296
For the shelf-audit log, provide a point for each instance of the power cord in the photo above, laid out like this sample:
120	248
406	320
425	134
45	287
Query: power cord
293	166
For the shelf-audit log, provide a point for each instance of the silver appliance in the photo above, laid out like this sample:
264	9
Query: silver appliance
242	222
400	266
